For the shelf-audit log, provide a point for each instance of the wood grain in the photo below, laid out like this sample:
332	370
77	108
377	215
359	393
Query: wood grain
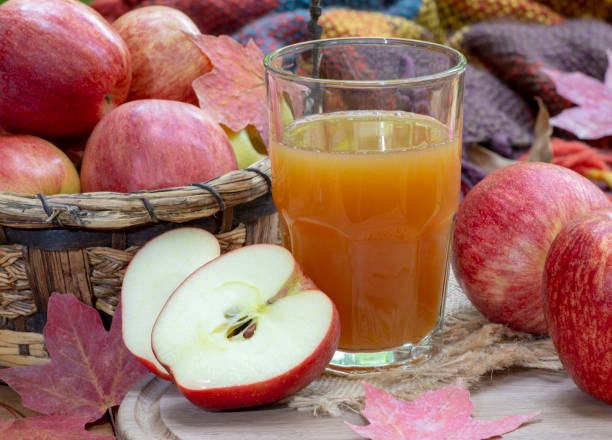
58	271
154	410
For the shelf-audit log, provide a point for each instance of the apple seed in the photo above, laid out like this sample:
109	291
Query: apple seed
238	327
250	331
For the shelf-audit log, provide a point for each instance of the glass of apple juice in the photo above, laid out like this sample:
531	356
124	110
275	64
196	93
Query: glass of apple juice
365	146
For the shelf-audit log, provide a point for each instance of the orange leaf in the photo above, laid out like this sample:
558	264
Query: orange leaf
234	91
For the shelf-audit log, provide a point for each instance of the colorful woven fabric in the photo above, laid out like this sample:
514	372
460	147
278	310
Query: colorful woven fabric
353	23
455	14
276	30
279	29
580	8
227	16
515	53
494	115
211	16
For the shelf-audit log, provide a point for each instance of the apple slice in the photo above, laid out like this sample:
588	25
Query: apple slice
151	277
244	148
246	329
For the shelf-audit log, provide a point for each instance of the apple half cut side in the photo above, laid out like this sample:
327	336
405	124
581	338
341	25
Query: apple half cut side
151	277
246	329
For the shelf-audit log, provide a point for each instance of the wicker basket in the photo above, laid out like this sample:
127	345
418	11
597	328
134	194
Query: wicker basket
82	243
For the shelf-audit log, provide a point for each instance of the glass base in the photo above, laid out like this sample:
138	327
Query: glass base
406	356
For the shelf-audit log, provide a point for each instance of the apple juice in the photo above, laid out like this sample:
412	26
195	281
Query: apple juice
367	201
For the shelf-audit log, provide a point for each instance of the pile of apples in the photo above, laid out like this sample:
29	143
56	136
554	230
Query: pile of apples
532	249
242	329
118	96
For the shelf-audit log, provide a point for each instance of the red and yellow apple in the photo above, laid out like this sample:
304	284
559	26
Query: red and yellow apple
153	143
164	59
62	67
577	292
246	329
31	165
503	230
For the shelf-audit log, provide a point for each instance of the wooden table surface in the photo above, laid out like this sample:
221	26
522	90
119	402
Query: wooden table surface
154	410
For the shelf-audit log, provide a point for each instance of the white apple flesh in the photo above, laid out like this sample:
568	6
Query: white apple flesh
151	277
246	329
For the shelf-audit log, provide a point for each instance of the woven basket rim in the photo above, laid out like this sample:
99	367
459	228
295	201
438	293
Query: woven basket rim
113	211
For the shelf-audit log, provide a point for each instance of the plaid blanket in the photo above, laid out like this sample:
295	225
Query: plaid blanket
506	41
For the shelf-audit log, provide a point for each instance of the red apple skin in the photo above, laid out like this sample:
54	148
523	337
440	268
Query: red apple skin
503	230
274	389
164	59
152	368
153	143
577	292
31	165
62	67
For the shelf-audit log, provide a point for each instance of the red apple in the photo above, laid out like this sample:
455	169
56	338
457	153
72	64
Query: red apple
246	329
31	165
164	59
152	275
62	67
503	230
154	143
577	289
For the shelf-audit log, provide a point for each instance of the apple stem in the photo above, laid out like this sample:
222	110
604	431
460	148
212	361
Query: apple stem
112	420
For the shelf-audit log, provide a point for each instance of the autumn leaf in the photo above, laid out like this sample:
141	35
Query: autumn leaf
435	415
90	369
592	117
48	428
234	91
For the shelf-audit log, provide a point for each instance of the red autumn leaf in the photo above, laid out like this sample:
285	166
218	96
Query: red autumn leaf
234	91
435	415
48	428
592	117
90	369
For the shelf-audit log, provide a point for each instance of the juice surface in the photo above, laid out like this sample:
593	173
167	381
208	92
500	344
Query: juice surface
367	200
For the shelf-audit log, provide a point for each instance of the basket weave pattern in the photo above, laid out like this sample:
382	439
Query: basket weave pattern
83	243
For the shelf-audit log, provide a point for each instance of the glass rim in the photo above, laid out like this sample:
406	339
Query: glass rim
451	72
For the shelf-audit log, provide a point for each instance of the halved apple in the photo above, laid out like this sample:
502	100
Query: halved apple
247	329
151	277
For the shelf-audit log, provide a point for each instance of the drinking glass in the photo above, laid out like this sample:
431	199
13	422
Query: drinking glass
365	147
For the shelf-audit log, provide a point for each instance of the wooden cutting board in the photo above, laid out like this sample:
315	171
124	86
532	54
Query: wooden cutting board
155	410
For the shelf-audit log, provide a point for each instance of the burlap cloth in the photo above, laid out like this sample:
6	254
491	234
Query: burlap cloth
471	348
